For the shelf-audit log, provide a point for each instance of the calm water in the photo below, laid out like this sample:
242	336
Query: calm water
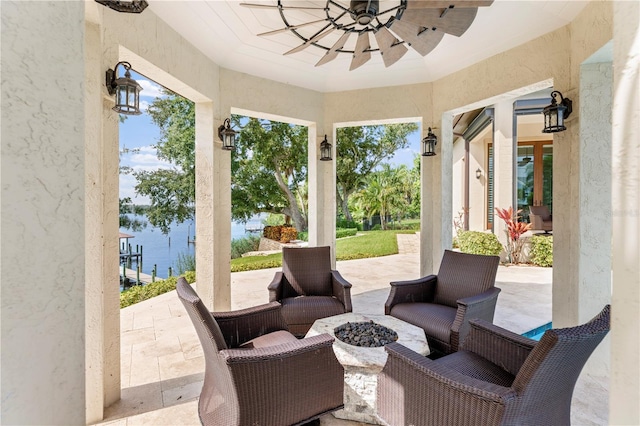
163	250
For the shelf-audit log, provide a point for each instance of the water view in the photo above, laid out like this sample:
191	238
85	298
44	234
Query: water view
164	250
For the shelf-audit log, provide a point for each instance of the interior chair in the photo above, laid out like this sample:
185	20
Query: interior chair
308	289
443	304
540	218
256	372
496	378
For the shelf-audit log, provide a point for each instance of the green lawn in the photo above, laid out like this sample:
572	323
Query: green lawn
365	244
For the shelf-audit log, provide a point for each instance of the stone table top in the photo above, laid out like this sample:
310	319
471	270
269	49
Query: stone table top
370	358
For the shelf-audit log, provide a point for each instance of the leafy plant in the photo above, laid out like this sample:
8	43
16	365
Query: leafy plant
542	250
244	245
514	231
476	242
185	262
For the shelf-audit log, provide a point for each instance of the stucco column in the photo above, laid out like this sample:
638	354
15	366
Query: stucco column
436	186
43	224
593	217
213	212
625	325
503	164
322	192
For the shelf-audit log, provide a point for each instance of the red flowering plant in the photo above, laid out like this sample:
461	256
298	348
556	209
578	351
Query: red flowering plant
514	231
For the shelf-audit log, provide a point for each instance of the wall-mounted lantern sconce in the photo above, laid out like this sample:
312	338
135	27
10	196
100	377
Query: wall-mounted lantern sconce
131	6
325	150
227	135
555	113
126	89
478	173
429	144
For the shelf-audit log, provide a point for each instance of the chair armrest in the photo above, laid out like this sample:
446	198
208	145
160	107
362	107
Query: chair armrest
306	371
481	306
411	291
242	325
413	389
502	347
341	290
275	287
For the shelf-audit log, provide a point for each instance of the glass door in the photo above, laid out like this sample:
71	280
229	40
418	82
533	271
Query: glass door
534	175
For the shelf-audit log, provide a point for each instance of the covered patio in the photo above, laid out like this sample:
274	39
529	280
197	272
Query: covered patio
62	335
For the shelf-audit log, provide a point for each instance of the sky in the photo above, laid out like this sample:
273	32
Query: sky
139	133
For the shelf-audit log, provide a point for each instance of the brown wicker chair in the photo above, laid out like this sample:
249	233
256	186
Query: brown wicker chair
496	378
443	304
256	372
540	218
308	288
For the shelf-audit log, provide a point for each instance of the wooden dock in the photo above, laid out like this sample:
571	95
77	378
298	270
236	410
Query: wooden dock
132	276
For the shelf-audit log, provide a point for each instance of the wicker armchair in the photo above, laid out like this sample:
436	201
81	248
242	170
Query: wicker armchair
443	304
308	289
540	218
496	378
256	372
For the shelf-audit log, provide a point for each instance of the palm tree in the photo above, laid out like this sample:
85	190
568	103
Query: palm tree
384	193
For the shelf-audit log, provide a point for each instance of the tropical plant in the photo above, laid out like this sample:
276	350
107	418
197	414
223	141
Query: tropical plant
382	194
185	262
244	245
514	230
360	150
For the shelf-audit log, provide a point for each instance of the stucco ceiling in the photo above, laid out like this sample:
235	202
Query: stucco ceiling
227	33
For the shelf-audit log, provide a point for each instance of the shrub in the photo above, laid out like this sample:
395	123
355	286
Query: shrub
244	245
514	231
304	236
343	223
377	227
542	250
288	233
139	293
282	233
349	232
475	242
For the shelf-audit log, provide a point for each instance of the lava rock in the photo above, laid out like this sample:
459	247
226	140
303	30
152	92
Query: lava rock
367	334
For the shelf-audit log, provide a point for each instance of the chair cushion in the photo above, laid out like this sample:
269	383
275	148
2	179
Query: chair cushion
269	339
307	309
435	320
473	365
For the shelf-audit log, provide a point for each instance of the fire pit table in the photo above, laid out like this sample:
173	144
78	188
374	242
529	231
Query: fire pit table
362	364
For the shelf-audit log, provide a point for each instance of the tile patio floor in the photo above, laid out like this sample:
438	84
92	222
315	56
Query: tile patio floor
162	365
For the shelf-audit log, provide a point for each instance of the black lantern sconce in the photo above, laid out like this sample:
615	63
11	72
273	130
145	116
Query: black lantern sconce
131	6
555	114
325	150
478	173
126	89
227	135
429	144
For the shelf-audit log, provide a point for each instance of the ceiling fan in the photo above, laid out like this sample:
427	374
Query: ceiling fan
395	24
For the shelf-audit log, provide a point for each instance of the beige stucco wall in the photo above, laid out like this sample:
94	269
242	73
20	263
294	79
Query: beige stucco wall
43	226
625	324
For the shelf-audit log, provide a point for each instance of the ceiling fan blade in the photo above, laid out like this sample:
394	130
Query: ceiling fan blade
443	4
361	53
421	40
291	27
275	6
451	20
391	48
312	40
333	52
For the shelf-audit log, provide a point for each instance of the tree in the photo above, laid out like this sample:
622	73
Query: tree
269	171
383	193
360	150
171	191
